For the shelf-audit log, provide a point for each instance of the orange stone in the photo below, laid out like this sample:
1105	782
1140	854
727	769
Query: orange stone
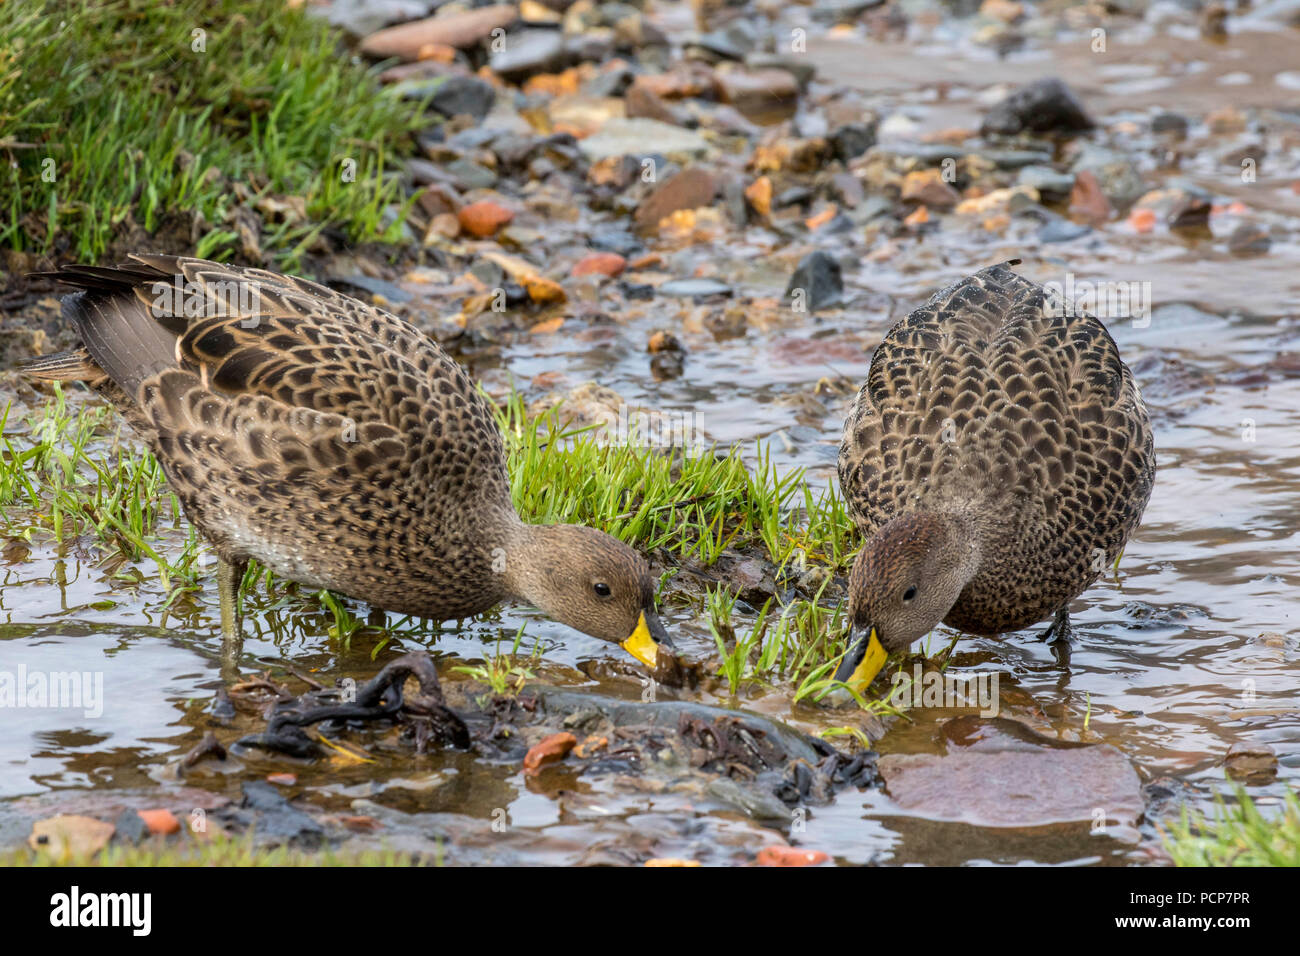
543	291
590	746
1142	220
918	218
790	856
548	750
160	821
438	52
283	779
822	218
547	327
646	261
601	263
484	218
759	194
670	861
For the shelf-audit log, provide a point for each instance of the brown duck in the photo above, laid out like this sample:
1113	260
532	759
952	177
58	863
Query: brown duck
996	460
335	444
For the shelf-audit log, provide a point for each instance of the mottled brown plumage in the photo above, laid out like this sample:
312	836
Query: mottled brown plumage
332	442
996	460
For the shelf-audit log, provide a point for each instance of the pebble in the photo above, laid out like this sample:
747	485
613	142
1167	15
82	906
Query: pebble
461	30
1046	105
464	95
689	189
529	52
642	137
484	218
609	264
1248	239
852	140
767	93
694	288
1087	201
548	750
1251	761
615	240
927	186
1050	183
790	856
816	283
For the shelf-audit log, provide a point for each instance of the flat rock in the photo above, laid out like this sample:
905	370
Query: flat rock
1049	183
464	95
461	30
766	93
1249	239
690	188
733	41
797	66
529	52
642	137
694	288
1023	787
362	17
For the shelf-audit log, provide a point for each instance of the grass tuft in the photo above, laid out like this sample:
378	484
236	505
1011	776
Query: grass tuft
110	114
1239	835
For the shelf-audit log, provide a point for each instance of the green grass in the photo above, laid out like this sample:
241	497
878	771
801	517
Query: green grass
505	674
1238	835
108	112
219	850
693	506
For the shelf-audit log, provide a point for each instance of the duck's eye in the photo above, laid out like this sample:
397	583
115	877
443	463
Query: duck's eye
602	589
909	593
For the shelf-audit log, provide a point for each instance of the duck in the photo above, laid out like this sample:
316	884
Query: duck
995	461
335	444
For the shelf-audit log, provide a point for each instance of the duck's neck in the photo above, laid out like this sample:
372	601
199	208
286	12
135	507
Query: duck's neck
529	561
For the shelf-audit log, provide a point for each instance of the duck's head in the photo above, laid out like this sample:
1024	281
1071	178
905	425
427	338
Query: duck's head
905	580
594	583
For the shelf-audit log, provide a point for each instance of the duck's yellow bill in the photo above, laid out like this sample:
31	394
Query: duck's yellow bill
641	645
873	659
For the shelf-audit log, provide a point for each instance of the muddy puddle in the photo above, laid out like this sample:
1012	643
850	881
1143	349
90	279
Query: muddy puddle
1192	649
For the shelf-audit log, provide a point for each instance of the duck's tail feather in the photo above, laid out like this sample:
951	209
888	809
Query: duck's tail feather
74	365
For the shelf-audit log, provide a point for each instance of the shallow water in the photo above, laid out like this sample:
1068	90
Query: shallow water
1194	647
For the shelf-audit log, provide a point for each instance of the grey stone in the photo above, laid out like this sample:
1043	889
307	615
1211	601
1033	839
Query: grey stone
818	276
1046	105
468	95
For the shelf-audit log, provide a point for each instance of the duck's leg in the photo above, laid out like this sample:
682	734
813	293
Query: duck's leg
1061	631
230	574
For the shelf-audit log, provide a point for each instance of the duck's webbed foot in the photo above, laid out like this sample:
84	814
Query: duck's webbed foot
1060	631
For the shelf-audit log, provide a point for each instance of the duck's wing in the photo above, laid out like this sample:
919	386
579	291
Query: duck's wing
990	389
265	392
